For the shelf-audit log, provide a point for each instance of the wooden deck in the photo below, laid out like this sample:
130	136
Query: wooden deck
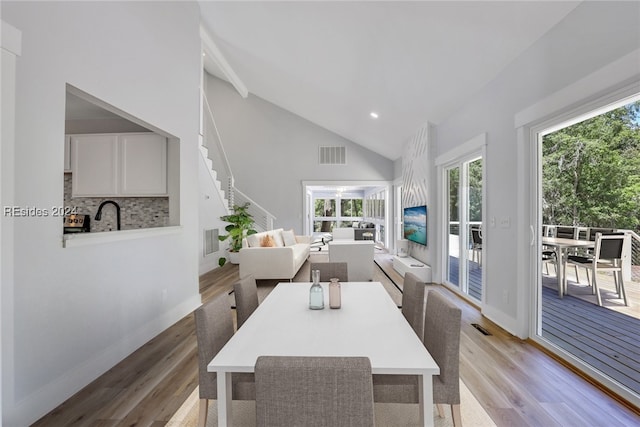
475	276
607	337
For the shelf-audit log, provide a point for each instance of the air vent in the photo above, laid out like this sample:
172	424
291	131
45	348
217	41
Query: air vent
482	330
333	155
211	243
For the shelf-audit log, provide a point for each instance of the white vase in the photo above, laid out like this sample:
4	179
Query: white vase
233	257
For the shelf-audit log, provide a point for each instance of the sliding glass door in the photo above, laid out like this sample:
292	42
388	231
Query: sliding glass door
463	236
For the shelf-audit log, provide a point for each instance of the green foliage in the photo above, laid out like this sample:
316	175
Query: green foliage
222	261
591	172
240	225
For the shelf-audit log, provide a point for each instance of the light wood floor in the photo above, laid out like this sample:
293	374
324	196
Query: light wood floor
515	382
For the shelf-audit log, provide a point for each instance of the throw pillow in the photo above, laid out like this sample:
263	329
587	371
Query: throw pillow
277	237
267	242
254	240
289	237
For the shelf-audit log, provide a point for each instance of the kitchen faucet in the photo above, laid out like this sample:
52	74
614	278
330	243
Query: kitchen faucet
99	214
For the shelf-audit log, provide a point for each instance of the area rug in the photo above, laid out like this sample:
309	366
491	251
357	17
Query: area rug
386	414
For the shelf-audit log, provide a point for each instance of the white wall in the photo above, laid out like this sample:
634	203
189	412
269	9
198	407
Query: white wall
271	151
211	207
73	313
592	36
417	185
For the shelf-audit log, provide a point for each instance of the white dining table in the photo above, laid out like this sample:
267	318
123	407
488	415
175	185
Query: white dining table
368	324
562	245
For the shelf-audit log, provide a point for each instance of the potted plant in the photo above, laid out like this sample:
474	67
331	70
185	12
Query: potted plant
240	225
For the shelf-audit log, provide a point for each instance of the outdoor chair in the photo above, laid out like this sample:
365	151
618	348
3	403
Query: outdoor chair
476	245
607	257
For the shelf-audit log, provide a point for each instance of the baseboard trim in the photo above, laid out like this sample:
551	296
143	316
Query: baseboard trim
36	405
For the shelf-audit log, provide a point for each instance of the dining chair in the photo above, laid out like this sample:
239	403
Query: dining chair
413	302
442	339
588	253
442	321
607	257
246	293
565	232
329	270
214	327
549	255
476	245
313	391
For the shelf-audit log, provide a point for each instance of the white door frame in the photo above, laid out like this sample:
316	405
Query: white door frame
615	83
471	149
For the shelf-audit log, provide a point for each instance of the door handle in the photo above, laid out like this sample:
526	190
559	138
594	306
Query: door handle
533	235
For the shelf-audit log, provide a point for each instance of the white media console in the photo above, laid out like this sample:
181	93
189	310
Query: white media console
419	268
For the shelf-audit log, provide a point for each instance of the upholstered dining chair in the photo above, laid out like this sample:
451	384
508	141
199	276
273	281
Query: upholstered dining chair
329	270
607	257
214	327
413	302
442	339
246	293
313	391
442	321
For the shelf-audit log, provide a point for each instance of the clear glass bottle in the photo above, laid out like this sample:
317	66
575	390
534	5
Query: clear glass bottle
334	293
316	293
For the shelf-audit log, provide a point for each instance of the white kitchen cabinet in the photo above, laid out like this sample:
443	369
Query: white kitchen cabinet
95	165
124	165
67	153
143	161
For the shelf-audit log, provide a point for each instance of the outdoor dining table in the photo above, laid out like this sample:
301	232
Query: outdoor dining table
562	246
368	324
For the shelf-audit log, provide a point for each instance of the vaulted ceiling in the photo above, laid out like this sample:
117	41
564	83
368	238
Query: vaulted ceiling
334	63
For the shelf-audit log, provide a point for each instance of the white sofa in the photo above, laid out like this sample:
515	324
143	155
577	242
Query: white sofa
281	261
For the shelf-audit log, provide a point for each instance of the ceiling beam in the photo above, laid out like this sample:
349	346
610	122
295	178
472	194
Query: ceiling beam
215	61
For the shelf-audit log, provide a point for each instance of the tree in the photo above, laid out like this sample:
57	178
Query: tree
591	171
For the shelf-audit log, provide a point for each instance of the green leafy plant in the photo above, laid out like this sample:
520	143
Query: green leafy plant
240	225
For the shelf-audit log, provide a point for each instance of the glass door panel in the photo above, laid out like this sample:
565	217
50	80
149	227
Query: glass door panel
464	190
473	202
453	218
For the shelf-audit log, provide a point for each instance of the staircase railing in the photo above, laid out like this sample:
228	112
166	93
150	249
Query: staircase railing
218	156
264	220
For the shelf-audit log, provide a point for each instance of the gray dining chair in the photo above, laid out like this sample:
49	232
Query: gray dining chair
442	339
329	270
246	294
413	302
314	391
214	327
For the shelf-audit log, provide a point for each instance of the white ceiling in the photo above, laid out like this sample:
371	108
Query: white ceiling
411	62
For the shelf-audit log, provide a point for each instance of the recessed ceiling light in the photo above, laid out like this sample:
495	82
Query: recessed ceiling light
373	115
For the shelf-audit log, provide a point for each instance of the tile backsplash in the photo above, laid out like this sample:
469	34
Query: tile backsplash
135	212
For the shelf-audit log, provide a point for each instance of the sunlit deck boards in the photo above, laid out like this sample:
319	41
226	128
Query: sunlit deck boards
475	276
604	338
607	337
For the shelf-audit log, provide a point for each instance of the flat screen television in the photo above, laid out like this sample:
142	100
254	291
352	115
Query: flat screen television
415	224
